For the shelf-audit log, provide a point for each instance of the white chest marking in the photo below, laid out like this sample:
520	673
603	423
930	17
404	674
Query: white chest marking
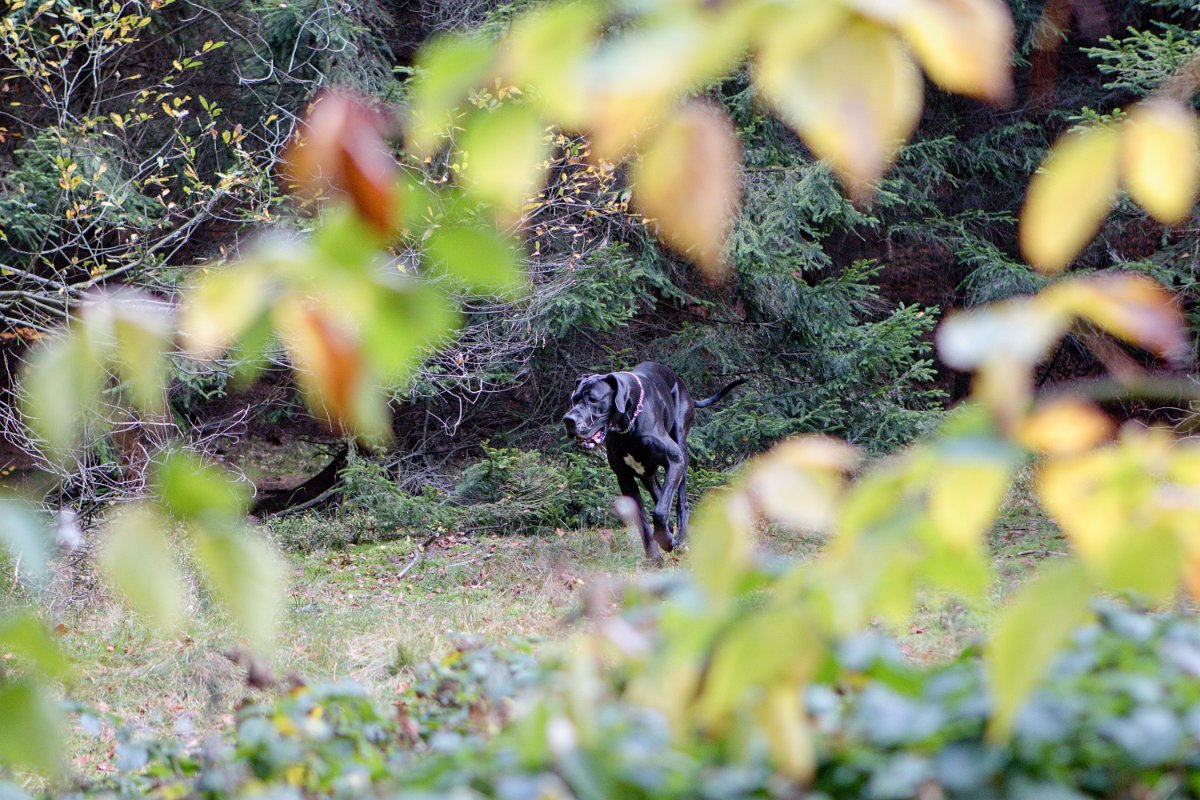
638	468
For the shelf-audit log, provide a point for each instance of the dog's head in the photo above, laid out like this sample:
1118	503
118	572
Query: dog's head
598	402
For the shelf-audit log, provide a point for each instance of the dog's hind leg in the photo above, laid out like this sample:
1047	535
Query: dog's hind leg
676	469
682	508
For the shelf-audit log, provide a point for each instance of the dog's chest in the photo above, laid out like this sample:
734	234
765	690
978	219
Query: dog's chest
634	464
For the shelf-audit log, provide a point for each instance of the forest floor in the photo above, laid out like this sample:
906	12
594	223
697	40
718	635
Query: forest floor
352	615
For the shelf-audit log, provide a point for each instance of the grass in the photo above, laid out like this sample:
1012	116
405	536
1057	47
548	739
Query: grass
349	617
355	614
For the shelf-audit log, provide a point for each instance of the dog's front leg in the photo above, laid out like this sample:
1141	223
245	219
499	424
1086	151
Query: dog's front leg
629	488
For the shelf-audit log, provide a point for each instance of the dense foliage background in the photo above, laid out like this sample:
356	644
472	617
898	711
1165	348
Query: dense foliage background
139	161
143	145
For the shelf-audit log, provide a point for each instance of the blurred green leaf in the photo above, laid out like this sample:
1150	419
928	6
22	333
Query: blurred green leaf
246	575
1144	561
26	540
142	334
546	49
31	728
345	240
504	155
137	558
751	655
227	302
484	259
190	488
24	635
723	542
408	318
250	353
1029	634
446	70
423	206
62	392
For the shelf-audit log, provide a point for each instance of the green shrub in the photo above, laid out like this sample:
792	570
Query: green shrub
1117	718
508	490
370	489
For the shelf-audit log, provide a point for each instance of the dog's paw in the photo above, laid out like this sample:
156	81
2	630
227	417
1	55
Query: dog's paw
664	540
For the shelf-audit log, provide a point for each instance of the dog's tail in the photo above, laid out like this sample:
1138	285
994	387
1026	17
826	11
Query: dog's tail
716	398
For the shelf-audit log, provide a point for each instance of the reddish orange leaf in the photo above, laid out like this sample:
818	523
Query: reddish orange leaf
341	146
332	369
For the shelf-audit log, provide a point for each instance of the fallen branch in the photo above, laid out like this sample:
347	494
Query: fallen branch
417	556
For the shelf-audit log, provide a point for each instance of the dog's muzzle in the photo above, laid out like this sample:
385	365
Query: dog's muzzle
590	442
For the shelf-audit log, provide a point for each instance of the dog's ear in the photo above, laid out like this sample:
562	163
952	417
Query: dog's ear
620	385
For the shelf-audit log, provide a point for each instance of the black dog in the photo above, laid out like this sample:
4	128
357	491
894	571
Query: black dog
645	415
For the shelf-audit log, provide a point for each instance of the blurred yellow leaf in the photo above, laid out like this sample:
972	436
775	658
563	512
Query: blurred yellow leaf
1160	158
799	482
1128	305
687	182
1065	426
784	720
1028	636
1072	490
1005	386
965	45
1070	196
964	496
794	30
1108	502
855	99
635	80
504	155
222	306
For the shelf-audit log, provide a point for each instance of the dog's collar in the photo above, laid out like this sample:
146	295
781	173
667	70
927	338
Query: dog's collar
637	411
